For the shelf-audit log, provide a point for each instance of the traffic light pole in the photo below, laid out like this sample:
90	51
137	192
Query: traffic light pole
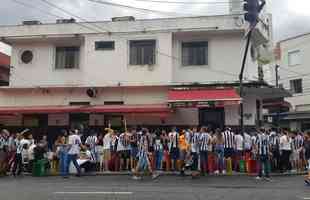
241	80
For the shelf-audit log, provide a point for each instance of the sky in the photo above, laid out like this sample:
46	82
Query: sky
290	17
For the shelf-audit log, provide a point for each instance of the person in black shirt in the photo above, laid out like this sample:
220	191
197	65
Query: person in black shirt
307	156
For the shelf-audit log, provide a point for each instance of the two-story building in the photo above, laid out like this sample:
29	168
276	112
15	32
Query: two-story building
4	69
155	72
294	75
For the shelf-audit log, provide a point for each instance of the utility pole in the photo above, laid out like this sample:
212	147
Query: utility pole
241	80
277	75
252	9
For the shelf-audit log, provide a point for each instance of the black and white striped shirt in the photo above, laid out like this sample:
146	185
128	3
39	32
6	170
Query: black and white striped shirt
91	141
229	139
3	143
274	141
297	142
204	141
262	144
195	142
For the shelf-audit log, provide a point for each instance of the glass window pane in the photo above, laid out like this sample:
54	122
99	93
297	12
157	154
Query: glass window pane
194	53
294	58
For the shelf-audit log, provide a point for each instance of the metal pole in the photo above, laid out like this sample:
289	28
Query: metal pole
241	80
277	75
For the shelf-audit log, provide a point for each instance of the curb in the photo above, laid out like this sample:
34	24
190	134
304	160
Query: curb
178	174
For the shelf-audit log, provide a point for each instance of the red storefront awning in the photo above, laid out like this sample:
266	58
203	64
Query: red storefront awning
157	108
161	108
38	109
203	96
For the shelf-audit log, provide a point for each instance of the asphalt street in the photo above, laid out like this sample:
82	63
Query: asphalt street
164	188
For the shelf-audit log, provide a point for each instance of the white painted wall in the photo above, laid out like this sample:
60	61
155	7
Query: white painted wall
35	97
41	71
111	67
106	68
288	73
225	52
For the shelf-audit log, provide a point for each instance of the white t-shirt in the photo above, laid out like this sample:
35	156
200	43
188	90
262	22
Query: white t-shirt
107	141
285	143
74	142
31	152
239	142
173	136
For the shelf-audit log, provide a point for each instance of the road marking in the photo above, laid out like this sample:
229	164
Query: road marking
115	193
305	198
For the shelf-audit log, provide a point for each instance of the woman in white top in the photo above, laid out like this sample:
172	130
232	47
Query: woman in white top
285	151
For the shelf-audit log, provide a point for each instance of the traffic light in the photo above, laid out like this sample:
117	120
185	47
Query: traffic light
252	9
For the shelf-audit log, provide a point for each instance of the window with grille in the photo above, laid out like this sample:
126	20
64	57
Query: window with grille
67	57
104	45
142	52
296	86
194	53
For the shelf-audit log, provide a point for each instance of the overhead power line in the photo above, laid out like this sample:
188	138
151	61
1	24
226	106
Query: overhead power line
50	14
73	15
187	2
137	8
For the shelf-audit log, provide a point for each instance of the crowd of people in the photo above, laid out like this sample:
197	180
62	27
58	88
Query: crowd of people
199	151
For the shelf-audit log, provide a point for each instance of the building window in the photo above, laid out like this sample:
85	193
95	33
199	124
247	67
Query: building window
294	58
67	57
194	53
104	45
79	103
113	103
296	86
142	52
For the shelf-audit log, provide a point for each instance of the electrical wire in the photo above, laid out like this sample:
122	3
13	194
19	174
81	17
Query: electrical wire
73	15
137	8
50	14
187	2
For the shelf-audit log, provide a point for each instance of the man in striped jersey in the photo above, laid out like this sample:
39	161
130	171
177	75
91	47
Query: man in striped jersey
91	142
194	146
262	149
297	144
274	141
143	156
174	148
204	143
229	144
124	150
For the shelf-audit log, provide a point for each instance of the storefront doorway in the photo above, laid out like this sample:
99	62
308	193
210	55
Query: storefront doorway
114	121
213	117
79	121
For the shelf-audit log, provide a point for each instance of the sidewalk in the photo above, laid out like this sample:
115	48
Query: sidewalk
187	173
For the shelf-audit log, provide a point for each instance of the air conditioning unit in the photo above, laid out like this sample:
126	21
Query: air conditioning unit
92	92
65	21
32	22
